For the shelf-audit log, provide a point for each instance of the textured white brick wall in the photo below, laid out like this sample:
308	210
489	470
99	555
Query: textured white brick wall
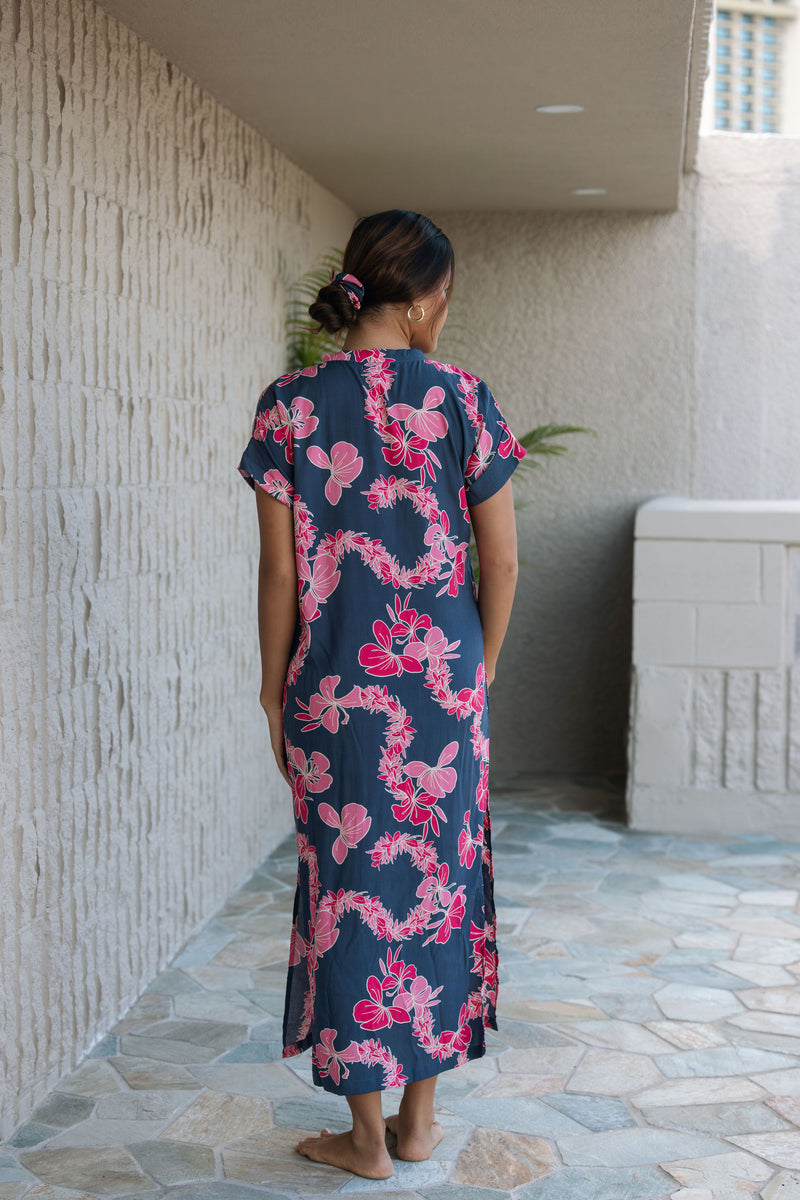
714	735
147	238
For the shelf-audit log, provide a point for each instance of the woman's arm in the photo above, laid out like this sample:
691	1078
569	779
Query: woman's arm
496	537
277	611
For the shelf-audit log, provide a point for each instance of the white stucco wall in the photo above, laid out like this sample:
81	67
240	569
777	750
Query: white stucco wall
147	238
747	316
674	337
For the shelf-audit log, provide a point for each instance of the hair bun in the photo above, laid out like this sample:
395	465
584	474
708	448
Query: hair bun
333	308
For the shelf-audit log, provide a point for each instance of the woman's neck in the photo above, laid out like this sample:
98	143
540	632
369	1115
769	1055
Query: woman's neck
383	335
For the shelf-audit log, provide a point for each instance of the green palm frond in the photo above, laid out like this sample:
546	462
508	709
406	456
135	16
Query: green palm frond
303	346
537	441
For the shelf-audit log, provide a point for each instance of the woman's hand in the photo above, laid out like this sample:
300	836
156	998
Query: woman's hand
275	720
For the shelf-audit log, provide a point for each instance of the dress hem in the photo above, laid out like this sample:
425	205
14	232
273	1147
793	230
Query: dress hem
473	1052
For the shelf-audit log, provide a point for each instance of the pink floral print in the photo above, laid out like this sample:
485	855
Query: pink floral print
343	463
392	958
353	824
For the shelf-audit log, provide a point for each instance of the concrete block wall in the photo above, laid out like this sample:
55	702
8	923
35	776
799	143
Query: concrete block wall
714	742
147	239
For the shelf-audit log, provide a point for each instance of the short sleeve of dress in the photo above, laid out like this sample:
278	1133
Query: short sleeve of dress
496	453
268	456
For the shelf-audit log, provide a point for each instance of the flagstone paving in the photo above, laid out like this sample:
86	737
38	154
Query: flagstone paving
648	1044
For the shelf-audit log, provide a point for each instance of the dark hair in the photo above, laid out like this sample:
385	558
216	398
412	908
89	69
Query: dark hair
397	256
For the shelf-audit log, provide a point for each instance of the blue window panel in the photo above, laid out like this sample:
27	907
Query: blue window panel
748	54
721	104
769	21
723	68
746	106
768	90
745	125
745	89
768	126
747	35
769	39
724	51
769	109
769	73
747	18
769	56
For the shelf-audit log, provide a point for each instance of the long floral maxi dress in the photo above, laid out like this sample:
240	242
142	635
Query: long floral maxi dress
393	962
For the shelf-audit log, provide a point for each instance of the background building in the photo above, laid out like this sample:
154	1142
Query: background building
753	82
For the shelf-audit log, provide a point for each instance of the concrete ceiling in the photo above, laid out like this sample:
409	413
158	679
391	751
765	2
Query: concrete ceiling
431	104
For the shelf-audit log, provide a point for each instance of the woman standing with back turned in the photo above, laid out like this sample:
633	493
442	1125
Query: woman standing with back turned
376	659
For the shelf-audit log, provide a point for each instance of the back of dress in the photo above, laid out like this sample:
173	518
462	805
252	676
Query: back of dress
393	966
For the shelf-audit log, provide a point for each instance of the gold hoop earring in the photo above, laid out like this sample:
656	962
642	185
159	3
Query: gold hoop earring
416	320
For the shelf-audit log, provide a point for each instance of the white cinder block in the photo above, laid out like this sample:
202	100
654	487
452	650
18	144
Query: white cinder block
740	725
663	634
740	699
708	728
739	635
772	701
702	571
770	760
661	733
682	517
739	759
793	721
718	811
773	573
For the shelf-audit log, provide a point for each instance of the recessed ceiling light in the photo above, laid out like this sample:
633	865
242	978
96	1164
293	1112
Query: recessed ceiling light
587	191
559	108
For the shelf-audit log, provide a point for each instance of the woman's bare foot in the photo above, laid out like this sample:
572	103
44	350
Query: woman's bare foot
369	1159
414	1143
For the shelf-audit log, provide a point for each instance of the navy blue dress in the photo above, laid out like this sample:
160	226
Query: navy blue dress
393	963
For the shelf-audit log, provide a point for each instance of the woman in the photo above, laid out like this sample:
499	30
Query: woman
376	656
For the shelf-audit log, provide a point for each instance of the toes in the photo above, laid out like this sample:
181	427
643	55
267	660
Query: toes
306	1146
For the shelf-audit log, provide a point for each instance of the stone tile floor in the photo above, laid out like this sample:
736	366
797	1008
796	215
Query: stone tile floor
648	1044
